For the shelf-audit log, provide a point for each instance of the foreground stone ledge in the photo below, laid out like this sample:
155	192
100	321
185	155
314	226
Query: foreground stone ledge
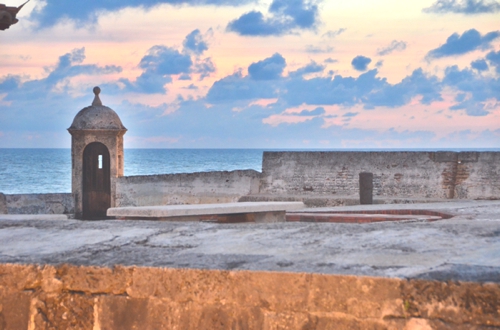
82	297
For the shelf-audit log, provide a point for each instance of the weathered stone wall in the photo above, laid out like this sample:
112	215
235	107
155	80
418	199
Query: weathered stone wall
478	176
80	139
39	204
186	188
464	175
3	204
72	297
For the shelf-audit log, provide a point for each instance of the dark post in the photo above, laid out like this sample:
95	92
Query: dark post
365	188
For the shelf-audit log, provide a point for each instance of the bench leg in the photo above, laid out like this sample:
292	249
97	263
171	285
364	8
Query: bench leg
278	216
260	217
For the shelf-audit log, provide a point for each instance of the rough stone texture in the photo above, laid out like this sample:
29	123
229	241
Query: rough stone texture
464	175
189	188
83	297
3	204
14	309
39	204
478	179
463	248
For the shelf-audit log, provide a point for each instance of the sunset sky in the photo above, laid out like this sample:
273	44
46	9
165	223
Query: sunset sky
256	74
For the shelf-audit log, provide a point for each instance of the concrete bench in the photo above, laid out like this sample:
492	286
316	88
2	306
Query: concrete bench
225	212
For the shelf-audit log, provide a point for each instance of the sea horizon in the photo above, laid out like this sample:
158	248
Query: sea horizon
292	149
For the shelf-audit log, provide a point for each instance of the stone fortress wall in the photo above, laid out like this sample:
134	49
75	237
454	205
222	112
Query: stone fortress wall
301	175
57	203
438	175
186	188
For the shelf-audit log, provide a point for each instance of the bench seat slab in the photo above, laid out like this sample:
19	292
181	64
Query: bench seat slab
225	212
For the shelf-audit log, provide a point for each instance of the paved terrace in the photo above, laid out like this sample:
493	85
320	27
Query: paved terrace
465	247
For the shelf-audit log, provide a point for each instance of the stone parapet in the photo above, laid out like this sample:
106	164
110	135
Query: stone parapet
186	188
39	204
431	175
83	297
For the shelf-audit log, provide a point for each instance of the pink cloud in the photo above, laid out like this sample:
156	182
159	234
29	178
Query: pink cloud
414	116
276	120
263	102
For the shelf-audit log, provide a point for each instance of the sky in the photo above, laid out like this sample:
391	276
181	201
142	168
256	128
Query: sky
256	74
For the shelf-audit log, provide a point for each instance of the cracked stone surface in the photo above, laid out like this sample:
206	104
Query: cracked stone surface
465	247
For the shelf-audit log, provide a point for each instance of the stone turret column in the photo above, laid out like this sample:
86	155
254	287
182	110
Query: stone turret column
96	158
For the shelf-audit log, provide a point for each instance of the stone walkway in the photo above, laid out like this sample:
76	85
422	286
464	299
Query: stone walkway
465	247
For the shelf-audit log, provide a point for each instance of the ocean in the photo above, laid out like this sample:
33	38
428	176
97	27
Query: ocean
31	171
26	171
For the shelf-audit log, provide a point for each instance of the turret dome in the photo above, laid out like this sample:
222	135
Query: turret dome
97	117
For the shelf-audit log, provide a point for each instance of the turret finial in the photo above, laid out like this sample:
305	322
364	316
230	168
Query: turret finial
97	100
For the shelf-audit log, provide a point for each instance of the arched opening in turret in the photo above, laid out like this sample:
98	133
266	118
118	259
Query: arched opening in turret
96	181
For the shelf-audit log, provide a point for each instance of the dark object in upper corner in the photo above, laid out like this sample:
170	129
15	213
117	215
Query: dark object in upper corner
8	15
